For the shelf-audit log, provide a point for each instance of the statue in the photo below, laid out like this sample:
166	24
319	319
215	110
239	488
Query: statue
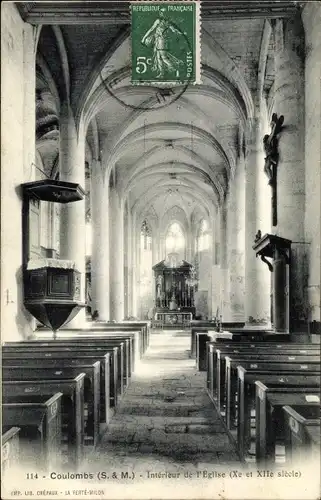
270	143
159	289
258	236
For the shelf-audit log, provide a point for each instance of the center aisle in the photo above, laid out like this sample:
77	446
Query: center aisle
165	420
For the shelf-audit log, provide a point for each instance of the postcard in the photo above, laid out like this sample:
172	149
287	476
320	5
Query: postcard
160	250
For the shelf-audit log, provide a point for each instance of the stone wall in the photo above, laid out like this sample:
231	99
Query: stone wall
312	21
17	158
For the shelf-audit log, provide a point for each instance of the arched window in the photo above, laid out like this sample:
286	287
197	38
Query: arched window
175	239
203	237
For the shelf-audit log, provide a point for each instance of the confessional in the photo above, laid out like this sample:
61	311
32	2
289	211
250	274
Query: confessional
174	292
52	287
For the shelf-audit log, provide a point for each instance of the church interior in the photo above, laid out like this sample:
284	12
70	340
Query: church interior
160	252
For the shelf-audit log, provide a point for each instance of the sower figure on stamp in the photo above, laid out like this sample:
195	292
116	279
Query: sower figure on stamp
159	34
270	143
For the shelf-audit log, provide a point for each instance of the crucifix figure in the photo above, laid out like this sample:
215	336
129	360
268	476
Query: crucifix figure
270	143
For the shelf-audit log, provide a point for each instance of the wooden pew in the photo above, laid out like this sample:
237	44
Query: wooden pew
203	338
116	349
69	359
281	377
265	355
262	359
302	434
143	326
270	416
232	347
127	354
212	346
100	342
72	407
244	350
96	337
231	382
194	332
9	450
39	420
41	371
85	333
204	326
85	345
75	352
112	328
238	335
254	356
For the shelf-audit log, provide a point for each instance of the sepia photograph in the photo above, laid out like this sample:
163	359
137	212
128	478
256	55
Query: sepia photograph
160	250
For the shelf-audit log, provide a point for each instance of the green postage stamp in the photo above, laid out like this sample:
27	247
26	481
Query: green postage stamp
165	42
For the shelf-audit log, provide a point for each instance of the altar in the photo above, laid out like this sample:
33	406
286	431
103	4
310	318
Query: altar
174	292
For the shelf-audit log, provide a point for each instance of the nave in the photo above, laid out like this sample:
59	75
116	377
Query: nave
160	292
165	420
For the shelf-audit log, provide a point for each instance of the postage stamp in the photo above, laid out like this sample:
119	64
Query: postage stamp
165	42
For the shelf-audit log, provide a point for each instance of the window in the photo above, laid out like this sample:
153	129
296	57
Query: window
203	237
175	239
145	236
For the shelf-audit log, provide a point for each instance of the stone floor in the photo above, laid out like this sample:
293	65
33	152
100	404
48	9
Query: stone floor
166	442
165	420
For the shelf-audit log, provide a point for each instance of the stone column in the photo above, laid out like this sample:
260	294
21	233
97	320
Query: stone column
162	247
228	250
130	261
225	299
72	215
138	273
100	241
135	287
237	242
289	101
126	284
156	240
154	248
257	275
311	16
189	244
116	269
216	272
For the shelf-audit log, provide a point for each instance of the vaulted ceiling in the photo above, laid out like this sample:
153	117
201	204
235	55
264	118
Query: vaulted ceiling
167	149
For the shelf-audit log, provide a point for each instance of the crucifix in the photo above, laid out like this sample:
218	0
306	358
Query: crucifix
270	143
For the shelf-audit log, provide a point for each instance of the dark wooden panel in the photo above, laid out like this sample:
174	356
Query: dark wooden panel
72	407
91	387
39	419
